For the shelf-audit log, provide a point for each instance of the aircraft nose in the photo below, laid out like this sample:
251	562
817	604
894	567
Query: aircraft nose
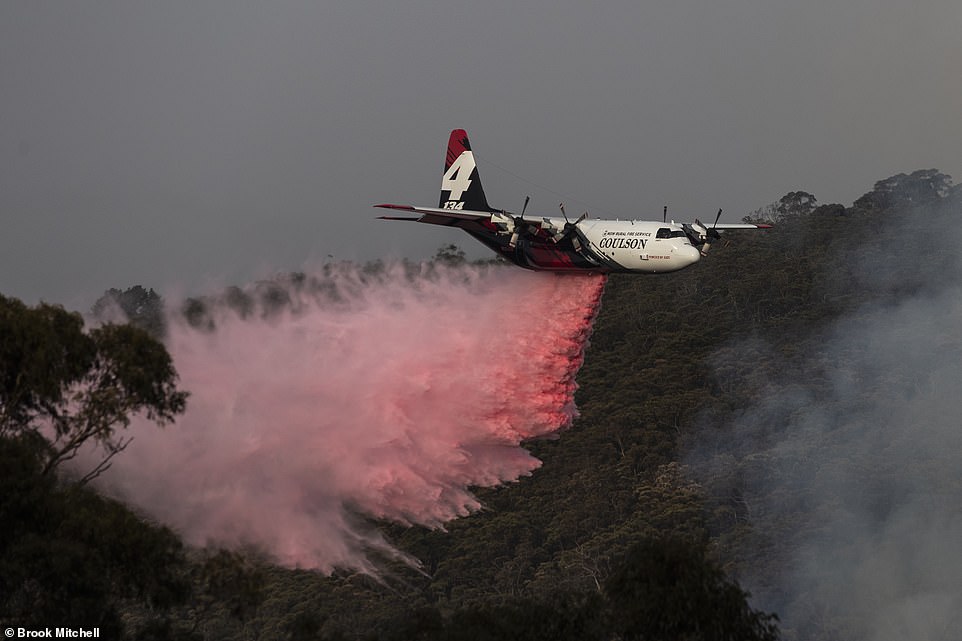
686	255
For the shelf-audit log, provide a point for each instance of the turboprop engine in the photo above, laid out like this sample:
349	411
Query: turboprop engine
701	236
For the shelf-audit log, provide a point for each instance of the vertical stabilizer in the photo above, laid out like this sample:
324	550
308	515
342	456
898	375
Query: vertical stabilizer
460	183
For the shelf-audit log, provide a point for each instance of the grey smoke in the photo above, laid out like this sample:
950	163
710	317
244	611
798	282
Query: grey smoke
848	469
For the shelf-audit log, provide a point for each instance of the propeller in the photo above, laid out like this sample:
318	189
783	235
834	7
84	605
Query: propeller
711	235
569	228
702	236
519	224
568	224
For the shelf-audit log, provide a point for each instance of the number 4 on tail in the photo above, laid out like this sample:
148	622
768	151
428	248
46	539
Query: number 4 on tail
457	178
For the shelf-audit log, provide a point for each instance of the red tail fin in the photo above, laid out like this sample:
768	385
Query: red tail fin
460	183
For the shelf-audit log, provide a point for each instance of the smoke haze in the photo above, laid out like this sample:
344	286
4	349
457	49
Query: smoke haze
847	468
383	393
235	134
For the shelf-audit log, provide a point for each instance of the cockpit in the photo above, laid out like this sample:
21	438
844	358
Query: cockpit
665	232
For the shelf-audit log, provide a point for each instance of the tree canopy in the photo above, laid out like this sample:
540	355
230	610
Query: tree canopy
141	307
64	388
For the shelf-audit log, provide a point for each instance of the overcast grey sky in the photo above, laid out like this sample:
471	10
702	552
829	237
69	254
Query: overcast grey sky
185	144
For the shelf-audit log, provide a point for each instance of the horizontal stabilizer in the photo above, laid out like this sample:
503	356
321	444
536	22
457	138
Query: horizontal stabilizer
464	214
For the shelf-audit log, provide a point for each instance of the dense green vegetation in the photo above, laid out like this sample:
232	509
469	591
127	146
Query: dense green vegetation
66	554
614	537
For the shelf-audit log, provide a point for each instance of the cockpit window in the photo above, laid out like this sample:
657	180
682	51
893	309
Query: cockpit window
665	232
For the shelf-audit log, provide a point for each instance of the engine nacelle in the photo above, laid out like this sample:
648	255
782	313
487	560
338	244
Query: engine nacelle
503	222
548	226
556	233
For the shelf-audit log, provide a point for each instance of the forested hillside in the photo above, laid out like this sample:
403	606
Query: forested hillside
723	410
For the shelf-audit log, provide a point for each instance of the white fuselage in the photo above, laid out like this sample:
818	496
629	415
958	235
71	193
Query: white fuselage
638	245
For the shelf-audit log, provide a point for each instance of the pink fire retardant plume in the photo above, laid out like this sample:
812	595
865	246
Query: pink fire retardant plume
385	395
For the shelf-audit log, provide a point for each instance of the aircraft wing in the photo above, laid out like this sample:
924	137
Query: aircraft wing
723	226
435	214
